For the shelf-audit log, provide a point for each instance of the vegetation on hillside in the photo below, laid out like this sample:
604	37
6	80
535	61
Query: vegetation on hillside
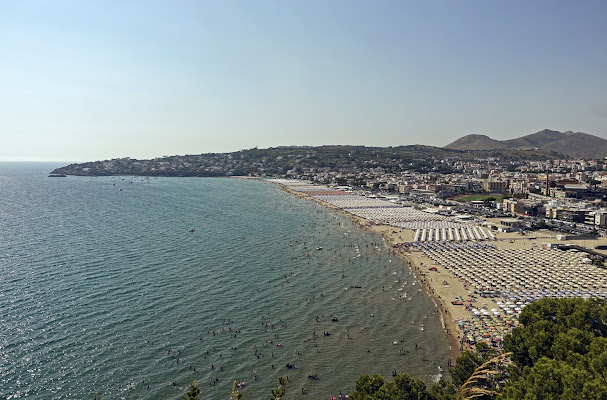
298	160
559	352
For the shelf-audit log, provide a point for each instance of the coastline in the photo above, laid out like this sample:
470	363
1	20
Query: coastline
394	236
479	286
447	311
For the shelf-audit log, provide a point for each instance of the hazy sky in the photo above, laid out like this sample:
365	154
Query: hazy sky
98	79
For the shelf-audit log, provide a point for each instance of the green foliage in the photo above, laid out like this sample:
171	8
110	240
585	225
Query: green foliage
402	387
341	181
193	393
276	161
481	384
554	379
281	391
443	390
557	328
561	352
469	361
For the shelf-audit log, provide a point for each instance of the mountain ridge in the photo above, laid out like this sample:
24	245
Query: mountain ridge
571	144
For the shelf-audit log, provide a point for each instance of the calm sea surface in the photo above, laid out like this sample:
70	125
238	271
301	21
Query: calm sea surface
103	288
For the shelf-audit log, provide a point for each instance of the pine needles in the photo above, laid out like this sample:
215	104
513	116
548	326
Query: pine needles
470	390
235	394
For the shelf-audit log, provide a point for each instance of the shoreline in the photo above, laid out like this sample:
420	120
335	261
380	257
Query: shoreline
393	237
479	286
450	327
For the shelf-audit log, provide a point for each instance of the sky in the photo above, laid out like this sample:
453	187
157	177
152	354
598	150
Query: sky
101	79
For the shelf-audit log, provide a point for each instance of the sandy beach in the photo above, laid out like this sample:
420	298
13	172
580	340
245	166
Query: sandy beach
430	284
438	286
478	286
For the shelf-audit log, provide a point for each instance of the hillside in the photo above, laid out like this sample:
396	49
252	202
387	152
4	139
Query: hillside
576	145
538	139
476	142
580	145
298	160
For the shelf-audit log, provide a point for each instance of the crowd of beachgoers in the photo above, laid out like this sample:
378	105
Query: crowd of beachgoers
481	279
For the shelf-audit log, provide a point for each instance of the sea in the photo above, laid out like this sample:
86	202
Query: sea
133	287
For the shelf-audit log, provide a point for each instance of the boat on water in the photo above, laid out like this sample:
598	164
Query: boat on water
57	176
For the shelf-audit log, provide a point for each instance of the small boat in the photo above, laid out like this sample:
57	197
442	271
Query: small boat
191	230
395	342
457	303
241	384
319	248
313	376
334	319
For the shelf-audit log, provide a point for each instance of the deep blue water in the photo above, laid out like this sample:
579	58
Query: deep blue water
103	288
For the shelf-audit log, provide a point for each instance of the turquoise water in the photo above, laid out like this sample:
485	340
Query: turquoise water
104	289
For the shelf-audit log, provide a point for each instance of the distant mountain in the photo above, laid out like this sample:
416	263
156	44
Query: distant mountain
476	142
538	139
577	145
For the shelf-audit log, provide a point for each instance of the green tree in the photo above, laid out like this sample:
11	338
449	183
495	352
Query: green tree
341	181
469	361
367	386
281	391
402	387
552	326
554	379
193	393
560	352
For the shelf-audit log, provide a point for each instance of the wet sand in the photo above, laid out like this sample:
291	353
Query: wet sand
430	284
439	283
